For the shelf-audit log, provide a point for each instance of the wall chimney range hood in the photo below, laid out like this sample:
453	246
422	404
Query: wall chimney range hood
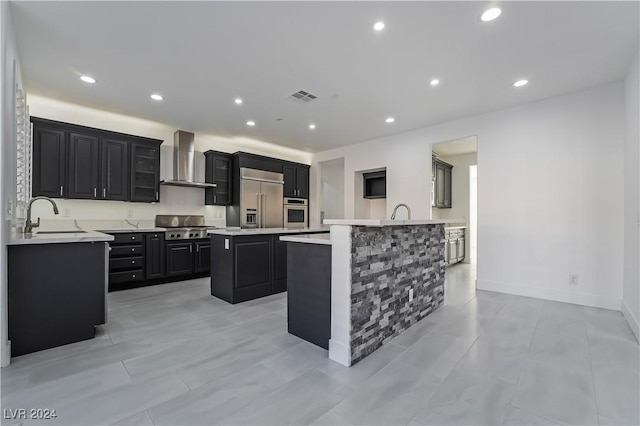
184	162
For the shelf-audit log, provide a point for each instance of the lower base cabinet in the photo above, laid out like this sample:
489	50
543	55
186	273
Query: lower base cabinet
144	258
247	267
60	300
454	246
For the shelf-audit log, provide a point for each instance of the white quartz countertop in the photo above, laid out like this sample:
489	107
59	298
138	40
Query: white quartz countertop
389	222
51	237
132	229
263	231
308	238
455	227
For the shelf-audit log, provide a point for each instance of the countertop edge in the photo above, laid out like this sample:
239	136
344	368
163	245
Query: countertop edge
306	239
388	222
86	237
265	231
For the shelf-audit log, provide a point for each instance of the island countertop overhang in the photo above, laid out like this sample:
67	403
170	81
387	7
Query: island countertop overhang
389	222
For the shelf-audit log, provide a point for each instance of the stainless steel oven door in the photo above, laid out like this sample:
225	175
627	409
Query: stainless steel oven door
296	216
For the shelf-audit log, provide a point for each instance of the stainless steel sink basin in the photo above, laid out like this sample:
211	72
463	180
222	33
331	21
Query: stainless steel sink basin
61	232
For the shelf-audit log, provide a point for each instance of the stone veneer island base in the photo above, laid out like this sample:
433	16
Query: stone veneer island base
377	266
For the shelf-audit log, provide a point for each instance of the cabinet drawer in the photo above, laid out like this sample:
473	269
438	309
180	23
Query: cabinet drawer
120	251
127	238
125	263
126	276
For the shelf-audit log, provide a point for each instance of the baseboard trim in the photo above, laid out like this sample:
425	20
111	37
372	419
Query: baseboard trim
585	299
339	353
631	319
5	354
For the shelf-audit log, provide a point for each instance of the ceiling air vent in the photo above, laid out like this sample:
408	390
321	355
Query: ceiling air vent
303	96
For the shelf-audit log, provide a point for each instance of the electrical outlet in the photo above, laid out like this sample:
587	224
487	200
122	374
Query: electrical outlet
573	279
130	214
10	208
66	213
410	295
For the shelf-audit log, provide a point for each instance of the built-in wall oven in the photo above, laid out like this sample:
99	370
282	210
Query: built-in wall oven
296	213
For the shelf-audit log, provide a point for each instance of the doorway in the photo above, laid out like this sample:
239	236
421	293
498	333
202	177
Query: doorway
457	161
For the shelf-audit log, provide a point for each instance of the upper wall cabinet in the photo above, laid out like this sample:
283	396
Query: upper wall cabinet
442	185
145	171
296	180
218	171
71	161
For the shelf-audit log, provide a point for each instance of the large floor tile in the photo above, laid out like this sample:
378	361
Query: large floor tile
140	419
565	397
611	323
607	351
617	395
297	360
392	396
519	417
438	353
300	401
563	351
218	399
466	398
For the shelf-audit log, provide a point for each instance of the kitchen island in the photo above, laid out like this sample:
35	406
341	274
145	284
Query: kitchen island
250	263
57	288
386	275
309	287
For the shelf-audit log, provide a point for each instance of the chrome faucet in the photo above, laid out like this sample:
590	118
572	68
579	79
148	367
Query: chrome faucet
28	226
395	209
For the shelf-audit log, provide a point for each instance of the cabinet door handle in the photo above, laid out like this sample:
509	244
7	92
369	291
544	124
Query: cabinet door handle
198	249
133	238
133	262
133	249
157	195
214	199
104	192
61	190
95	192
190	249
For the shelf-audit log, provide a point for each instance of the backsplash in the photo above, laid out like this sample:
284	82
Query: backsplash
380	307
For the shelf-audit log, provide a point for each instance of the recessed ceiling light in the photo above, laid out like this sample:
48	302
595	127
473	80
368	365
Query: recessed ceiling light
521	83
156	97
490	14
390	120
251	123
312	126
88	79
238	101
378	26
434	82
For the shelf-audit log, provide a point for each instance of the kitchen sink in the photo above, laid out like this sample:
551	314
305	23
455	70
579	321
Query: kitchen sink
61	232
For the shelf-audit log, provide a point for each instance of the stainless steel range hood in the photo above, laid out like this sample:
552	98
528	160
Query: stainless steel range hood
184	162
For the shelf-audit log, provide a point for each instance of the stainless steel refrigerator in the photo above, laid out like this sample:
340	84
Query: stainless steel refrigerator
261	199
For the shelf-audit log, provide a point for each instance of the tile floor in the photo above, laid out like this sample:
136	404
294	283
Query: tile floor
173	355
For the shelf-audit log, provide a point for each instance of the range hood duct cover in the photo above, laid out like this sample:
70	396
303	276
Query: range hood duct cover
184	162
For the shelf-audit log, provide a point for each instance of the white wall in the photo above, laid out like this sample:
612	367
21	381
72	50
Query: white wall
173	200
460	202
332	189
8	161
631	289
545	207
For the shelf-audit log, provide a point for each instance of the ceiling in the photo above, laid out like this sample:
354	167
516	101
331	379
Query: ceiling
202	55
456	147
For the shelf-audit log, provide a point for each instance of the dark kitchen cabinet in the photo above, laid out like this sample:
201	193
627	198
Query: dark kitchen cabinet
246	267
179	258
126	258
72	161
279	265
218	171
154	255
56	294
188	257
49	161
114	168
296	180
202	260
145	171
443	182
84	162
